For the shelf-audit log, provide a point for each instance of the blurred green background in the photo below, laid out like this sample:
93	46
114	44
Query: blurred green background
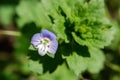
13	62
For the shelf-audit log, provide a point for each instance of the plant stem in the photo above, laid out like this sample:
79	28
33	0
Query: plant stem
10	33
113	66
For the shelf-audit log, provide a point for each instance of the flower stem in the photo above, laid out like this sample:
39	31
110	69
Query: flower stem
10	33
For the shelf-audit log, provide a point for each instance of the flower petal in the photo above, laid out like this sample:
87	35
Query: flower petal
42	50
39	41
35	40
53	47
48	34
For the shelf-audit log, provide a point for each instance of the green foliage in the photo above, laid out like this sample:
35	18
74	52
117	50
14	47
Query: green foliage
42	16
6	14
82	29
93	64
84	33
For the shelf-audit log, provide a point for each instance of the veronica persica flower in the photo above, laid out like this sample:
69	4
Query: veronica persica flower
45	42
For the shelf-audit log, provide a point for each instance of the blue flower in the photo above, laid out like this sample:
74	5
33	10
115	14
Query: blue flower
45	42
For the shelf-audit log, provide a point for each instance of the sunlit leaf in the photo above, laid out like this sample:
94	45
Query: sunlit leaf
35	66
77	63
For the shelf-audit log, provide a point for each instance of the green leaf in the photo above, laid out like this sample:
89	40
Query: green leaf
25	12
59	28
95	9
51	7
76	63
78	40
31	48
79	63
41	17
92	29
6	14
29	13
65	7
51	55
35	66
95	37
61	73
116	40
96	61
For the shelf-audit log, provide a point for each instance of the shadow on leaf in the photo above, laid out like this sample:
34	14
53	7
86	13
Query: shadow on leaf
67	49
49	64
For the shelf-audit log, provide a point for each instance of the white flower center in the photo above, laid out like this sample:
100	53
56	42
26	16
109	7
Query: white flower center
43	46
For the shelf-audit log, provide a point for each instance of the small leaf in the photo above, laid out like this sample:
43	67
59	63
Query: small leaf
32	48
96	61
51	55
35	66
77	63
